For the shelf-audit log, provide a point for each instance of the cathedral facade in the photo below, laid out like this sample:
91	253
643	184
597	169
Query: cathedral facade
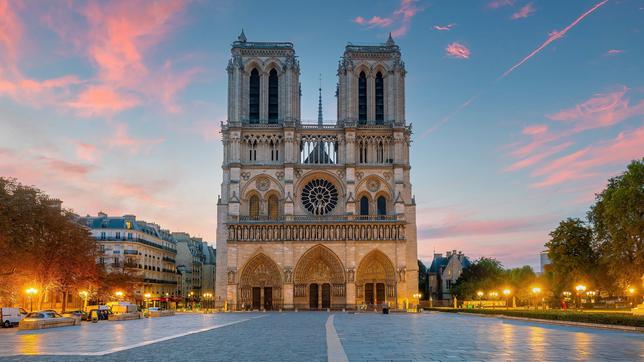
315	215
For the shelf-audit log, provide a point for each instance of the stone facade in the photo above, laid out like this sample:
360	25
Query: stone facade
443	274
315	215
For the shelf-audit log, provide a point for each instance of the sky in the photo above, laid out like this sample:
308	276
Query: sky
521	110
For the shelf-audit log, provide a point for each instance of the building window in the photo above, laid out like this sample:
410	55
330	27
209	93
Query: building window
253	206
253	97
380	152
102	235
252	151
380	99
129	236
273	98
362	98
118	234
275	155
363	153
382	205
364	205
448	285
273	207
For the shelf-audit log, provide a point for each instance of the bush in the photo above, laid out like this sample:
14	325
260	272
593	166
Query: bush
622	319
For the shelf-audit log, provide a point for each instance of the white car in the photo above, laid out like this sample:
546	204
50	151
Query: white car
10	317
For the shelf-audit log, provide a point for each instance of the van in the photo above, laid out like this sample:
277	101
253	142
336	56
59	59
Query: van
10	317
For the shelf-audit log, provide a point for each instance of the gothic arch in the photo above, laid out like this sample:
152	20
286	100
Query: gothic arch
260	271
375	269
319	264
384	187
333	178
382	68
249	186
254	63
274	63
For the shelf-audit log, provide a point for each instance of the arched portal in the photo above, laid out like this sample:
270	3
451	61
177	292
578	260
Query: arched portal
319	280
260	284
375	280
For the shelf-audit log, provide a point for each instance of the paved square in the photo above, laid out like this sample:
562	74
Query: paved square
310	336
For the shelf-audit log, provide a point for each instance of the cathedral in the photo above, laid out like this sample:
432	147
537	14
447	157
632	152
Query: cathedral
315	215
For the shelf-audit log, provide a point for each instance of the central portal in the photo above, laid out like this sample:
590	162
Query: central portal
326	295
319	280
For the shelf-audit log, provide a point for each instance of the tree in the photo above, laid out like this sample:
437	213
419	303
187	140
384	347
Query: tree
484	274
41	244
521	281
423	280
618	221
572	256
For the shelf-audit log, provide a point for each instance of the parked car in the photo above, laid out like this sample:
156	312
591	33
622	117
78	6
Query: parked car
76	314
46	319
10	317
103	311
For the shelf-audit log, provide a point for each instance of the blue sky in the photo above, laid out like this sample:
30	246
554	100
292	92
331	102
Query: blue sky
116	106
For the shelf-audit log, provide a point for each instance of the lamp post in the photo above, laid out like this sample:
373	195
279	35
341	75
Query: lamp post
507	293
119	295
631	295
31	292
417	297
84	295
480	295
566	295
591	294
147	300
536	291
580	289
493	296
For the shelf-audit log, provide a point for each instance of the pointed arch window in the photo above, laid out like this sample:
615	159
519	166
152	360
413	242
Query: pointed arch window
364	205
362	98
382	205
253	207
275	153
252	151
253	96
273	96
380	99
273	207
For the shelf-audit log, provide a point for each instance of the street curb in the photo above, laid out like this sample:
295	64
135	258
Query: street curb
562	323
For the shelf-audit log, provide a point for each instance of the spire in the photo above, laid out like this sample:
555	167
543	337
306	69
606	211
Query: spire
242	36
390	40
320	103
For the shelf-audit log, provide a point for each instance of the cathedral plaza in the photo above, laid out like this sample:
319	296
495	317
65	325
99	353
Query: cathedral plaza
320	336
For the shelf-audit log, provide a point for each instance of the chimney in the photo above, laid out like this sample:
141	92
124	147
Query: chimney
449	253
438	255
102	214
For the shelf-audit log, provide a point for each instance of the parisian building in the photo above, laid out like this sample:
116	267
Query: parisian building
443	274
196	266
315	214
137	247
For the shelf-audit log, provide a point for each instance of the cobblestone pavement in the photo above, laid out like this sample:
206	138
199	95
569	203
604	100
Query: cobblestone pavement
302	337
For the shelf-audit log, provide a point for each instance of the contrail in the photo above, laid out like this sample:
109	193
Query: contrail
552	37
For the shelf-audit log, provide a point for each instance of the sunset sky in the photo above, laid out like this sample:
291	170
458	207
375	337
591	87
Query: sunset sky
521	110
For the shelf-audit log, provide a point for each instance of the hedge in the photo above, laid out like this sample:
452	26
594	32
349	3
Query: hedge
622	319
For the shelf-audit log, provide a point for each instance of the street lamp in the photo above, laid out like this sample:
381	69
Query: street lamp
580	289
147	300
631	293
84	294
536	291
119	294
417	297
507	293
31	292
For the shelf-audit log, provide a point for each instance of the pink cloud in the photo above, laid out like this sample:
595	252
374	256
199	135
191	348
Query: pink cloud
102	101
400	17
602	110
524	12
11	30
137	192
122	139
587	162
457	50
552	37
535	129
69	168
447	27
86	151
171	84
536	158
614	52
495	4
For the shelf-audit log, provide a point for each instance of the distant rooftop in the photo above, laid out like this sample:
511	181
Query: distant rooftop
242	42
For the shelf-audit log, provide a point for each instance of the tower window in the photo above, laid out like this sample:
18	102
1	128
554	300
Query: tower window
253	207
273	207
253	97
362	98
380	99
273	99
382	205
252	151
275	156
364	205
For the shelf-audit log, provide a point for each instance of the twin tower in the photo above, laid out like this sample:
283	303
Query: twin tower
315	215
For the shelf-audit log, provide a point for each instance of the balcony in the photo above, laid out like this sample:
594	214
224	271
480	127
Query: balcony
130	252
313	124
168	259
137	240
158	281
315	219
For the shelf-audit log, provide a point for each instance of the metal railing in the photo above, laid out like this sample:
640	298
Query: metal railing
136	240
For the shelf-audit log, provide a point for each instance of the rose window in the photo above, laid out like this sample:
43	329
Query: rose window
319	197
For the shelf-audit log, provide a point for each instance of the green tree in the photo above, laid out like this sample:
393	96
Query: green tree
423	282
572	256
521	281
484	274
618	220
